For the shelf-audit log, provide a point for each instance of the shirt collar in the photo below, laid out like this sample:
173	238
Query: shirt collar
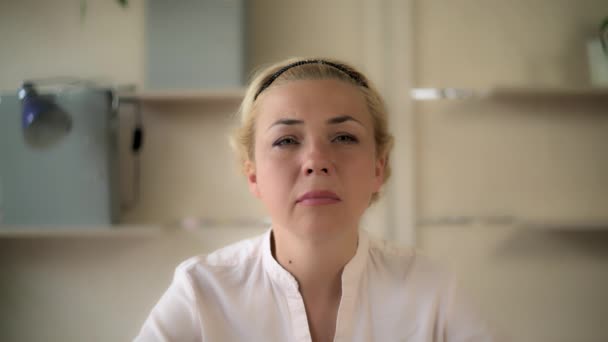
276	272
350	275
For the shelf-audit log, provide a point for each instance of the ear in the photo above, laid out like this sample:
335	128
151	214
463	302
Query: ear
379	173
252	179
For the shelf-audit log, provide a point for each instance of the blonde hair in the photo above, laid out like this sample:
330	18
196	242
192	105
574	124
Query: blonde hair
243	138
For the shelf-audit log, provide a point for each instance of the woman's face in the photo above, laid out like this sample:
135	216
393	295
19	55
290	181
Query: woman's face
315	165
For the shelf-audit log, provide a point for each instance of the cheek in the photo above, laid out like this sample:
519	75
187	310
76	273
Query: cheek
361	171
276	174
362	159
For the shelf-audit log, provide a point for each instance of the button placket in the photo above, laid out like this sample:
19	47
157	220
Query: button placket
299	320
345	311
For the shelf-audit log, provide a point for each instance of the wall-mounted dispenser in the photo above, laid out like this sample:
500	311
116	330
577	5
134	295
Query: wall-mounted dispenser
59	156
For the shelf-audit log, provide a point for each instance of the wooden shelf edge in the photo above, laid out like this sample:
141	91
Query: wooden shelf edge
215	95
498	92
118	231
565	225
126	230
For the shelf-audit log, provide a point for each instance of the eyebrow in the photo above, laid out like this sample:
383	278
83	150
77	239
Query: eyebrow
332	121
343	118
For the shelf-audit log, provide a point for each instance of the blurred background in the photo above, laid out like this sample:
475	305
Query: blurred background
499	108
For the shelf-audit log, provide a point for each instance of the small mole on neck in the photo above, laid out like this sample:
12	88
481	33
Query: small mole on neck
290	261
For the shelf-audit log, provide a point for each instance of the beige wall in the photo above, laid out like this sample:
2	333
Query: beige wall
542	160
475	158
528	158
318	28
47	39
531	285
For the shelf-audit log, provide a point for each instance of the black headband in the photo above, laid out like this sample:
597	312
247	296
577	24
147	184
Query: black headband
351	73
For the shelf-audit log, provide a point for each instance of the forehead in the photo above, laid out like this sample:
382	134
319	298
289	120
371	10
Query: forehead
310	100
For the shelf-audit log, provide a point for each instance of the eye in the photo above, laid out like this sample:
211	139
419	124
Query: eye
346	139
284	141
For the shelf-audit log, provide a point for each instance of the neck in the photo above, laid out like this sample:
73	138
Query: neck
316	265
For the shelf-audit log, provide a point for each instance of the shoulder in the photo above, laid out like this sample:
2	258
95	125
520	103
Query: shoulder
407	264
236	257
431	288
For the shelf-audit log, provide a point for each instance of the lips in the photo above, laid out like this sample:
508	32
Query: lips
320	197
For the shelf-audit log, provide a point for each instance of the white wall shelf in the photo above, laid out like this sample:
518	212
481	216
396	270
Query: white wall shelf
511	92
186	96
187	224
118	231
567	225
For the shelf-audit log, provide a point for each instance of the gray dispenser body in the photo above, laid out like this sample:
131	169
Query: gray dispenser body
71	183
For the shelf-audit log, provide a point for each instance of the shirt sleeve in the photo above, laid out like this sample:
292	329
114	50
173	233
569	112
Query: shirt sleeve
175	317
463	322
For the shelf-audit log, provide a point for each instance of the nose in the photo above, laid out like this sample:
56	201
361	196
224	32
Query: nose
321	171
318	161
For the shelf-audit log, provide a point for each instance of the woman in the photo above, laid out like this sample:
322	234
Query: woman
314	145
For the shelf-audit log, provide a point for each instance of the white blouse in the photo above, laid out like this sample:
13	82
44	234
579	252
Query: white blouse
241	293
